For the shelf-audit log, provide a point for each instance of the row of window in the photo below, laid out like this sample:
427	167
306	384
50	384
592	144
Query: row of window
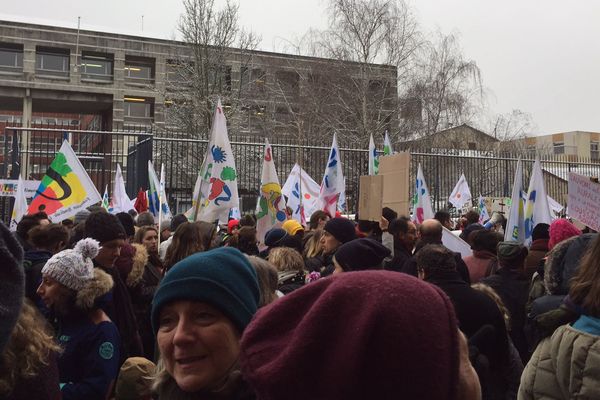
55	62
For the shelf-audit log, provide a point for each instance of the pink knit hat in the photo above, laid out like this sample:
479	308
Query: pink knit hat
560	230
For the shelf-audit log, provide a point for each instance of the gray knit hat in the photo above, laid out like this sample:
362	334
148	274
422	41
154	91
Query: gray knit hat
73	268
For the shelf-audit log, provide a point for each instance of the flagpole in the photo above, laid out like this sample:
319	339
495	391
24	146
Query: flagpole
160	189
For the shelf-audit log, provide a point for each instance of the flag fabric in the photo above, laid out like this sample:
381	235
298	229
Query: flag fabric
141	202
332	184
20	206
218	190
455	243
65	189
373	159
387	145
537	209
515	230
157	199
483	212
270	208
300	186
120	201
422	200
461	194
105	199
555	206
342	206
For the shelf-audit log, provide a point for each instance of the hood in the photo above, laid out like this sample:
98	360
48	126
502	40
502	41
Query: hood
100	285
37	255
139	261
563	261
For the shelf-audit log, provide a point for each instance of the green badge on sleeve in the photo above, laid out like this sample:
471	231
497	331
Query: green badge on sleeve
106	350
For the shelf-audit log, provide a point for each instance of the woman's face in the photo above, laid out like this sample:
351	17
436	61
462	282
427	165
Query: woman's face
150	241
52	292
198	344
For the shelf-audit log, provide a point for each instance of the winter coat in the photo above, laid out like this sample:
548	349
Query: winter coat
33	262
43	386
481	264
234	389
401	257
564	366
322	264
513	290
536	254
290	280
410	266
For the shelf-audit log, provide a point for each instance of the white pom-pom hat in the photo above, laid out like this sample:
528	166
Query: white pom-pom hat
73	268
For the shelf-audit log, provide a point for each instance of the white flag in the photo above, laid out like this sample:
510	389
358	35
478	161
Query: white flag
455	243
387	145
20	206
302	193
461	194
333	181
219	191
555	206
373	159
515	230
422	200
483	212
270	208
342	206
120	201
537	209
157	198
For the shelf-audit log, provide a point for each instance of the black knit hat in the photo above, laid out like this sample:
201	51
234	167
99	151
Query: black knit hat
274	236
127	222
341	228
104	227
361	254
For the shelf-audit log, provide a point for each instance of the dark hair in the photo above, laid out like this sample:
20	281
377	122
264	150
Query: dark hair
585	285
47	237
145	218
127	222
28	222
367	226
245	241
177	220
389	214
472	217
316	217
442	216
398	225
541	231
435	258
484	240
248	220
189	238
68	222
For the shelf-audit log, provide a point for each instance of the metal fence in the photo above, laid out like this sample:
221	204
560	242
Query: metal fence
30	152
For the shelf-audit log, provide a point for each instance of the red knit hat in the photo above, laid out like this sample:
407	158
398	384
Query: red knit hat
233	223
560	230
359	335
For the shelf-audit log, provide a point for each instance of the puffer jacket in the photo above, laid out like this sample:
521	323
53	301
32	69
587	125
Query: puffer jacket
564	366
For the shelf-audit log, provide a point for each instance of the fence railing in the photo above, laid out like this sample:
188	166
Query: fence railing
30	152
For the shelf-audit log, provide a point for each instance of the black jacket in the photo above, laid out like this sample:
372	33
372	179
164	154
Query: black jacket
410	266
401	257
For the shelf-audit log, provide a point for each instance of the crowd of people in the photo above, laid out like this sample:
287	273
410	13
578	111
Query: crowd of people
117	306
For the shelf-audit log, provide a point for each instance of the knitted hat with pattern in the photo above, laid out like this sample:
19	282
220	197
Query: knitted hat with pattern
73	268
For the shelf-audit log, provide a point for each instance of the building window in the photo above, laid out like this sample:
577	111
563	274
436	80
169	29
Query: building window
136	107
96	66
140	70
594	150
559	147
52	61
11	58
288	81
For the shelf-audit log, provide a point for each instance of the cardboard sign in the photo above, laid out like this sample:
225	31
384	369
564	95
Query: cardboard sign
8	187
583	200
371	197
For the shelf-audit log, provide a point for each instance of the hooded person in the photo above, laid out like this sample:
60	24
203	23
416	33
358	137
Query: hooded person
360	254
109	232
199	311
71	288
538	249
362	335
336	232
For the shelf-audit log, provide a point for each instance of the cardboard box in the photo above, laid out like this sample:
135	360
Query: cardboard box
370	197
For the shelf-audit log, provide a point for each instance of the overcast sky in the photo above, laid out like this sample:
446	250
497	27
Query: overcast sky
538	56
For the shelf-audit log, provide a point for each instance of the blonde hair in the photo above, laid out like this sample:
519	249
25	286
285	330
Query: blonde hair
491	293
312	247
28	350
286	259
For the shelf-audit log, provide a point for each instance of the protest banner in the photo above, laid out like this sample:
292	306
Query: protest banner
583	199
8	187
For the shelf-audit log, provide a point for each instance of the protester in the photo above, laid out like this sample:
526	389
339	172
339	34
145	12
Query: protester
246	241
318	219
474	310
291	274
360	254
336	232
293	228
565	366
403	337
27	223
469	231
106	229
512	287
232	229
484	261
561	229
538	249
28	364
135	379
248	220
45	240
189	238
278	237
128	224
312	244
472	217
444	217
70	288
404	234
199	312
267	280
145	218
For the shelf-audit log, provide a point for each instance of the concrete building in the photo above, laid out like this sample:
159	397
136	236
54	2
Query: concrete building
574	144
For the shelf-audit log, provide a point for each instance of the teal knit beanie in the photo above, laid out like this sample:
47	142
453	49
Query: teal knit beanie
223	278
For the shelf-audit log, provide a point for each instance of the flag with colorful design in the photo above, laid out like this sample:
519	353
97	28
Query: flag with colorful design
515	231
302	193
20	206
422	200
120	200
157	198
65	189
342	206
270	208
105	199
218	190
461	194
373	159
483	212
537	209
332	184
387	145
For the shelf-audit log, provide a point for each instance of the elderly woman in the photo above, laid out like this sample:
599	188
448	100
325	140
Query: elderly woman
199	312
